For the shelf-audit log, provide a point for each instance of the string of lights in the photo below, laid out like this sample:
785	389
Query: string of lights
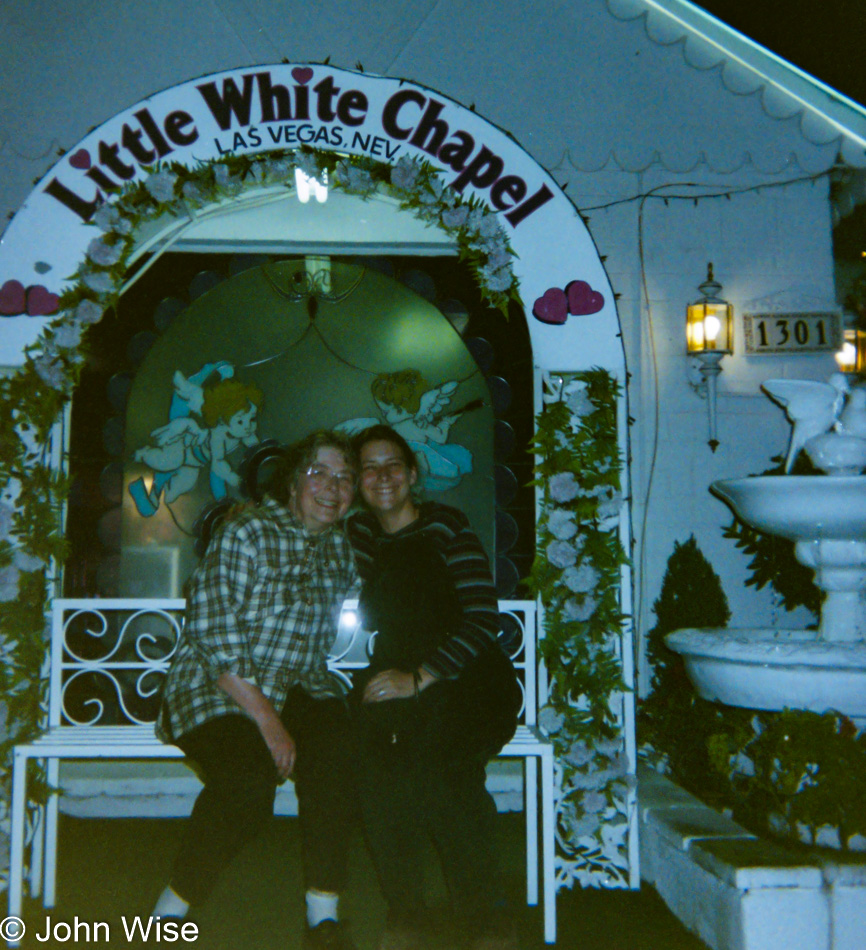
728	193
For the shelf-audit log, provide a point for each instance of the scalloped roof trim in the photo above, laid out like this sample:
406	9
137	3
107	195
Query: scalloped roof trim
745	68
612	161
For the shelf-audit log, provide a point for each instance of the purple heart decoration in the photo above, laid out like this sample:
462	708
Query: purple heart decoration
551	306
80	159
582	299
41	302
302	74
12	298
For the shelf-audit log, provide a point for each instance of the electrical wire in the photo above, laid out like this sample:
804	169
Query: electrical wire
729	193
641	598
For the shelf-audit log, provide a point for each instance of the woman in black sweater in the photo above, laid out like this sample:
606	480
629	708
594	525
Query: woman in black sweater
439	699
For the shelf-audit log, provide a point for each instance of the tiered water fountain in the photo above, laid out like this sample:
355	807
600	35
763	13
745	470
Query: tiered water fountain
825	515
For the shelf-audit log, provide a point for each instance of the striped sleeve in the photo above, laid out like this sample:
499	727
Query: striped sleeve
467	563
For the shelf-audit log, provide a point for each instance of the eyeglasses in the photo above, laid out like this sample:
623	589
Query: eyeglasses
320	478
387	469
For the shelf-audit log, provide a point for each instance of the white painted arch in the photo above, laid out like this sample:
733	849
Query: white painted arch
561	279
264	108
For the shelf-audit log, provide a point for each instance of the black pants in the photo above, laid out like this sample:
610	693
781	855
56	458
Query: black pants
405	798
240	779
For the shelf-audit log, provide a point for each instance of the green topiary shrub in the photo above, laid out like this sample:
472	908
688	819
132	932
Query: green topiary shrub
677	728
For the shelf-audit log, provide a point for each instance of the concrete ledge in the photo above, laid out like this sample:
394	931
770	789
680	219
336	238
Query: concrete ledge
751	864
846	870
658	793
845	875
739	892
681	825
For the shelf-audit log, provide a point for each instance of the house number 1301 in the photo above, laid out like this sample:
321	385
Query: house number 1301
787	332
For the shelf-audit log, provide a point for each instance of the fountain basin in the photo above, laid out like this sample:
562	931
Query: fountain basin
826	517
800	507
772	669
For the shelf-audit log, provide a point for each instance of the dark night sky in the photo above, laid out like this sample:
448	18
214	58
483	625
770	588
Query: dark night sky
826	38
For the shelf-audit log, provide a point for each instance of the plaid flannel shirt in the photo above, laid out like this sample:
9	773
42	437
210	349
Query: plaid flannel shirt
264	604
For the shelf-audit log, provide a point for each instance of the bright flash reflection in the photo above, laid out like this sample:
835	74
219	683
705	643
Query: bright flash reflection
306	185
712	326
847	356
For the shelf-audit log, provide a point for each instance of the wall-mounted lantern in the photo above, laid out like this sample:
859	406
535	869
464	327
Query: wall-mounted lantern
710	336
852	357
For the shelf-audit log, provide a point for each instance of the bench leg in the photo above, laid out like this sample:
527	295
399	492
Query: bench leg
548	845
37	853
51	811
530	809
18	819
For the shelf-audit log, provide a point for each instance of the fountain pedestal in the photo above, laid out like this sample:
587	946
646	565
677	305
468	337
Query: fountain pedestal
840	571
819	669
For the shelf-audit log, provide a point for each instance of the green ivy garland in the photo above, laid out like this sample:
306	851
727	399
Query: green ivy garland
33	491
577	575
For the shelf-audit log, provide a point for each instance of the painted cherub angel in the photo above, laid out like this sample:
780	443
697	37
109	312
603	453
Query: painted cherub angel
420	413
180	449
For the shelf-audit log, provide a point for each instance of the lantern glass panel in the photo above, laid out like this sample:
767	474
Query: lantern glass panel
709	326
852	357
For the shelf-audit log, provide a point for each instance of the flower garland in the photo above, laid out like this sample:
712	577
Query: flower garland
577	575
33	490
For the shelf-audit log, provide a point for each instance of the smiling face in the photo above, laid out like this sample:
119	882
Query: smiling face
322	494
386	483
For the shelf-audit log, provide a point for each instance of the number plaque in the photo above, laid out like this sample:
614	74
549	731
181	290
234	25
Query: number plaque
792	332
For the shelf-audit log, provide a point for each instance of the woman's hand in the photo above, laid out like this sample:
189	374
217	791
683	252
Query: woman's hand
389	684
280	744
259	708
395	684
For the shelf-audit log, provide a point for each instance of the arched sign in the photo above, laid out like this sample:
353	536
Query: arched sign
561	279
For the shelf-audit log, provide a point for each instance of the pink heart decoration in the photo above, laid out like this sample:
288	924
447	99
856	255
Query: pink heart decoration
81	159
12	298
551	306
582	299
302	74
41	302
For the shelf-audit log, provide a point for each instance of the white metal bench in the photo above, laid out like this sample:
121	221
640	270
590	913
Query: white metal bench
107	662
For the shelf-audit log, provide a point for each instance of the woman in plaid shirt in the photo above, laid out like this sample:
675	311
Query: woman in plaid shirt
248	696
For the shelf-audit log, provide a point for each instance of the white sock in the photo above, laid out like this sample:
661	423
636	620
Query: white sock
321	906
169	904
